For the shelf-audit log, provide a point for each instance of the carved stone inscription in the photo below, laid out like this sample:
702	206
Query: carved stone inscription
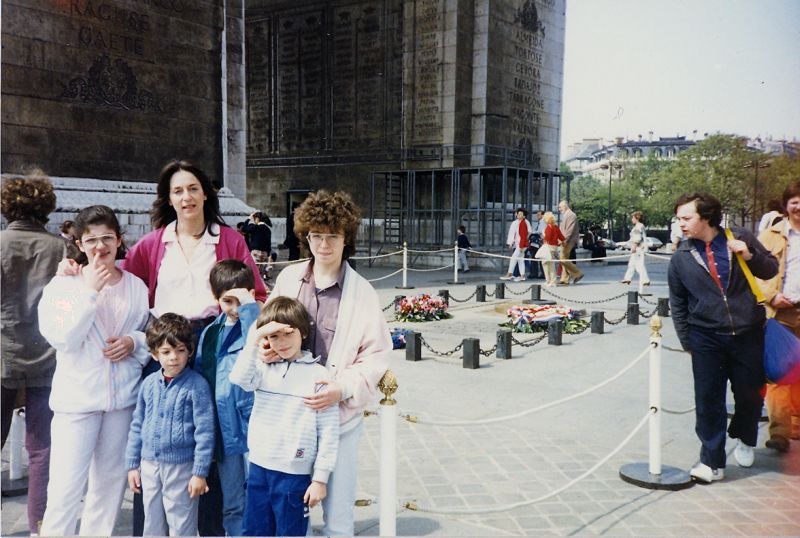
260	136
427	128
357	76
301	123
523	88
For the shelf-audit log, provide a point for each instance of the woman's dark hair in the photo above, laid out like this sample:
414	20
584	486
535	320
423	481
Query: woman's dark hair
93	216
230	274
707	206
163	213
286	310
328	212
28	198
792	190
524	211
173	329
66	225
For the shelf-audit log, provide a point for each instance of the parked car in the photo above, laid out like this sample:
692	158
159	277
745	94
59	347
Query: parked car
653	244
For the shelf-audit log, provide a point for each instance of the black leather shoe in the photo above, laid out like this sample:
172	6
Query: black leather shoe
776	442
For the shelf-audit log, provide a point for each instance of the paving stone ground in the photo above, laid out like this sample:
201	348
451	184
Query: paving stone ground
474	467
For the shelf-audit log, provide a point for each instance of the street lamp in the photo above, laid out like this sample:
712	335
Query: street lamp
755	165
610	166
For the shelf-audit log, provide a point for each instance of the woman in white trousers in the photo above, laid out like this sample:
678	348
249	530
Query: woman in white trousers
638	247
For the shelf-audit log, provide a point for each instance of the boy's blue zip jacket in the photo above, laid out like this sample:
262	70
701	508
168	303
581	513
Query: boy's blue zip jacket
214	361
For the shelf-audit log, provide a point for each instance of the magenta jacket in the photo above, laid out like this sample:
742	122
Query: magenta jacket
144	258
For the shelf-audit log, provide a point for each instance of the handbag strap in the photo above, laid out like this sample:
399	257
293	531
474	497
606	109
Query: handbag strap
748	274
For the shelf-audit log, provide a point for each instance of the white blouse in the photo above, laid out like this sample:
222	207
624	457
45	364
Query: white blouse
183	286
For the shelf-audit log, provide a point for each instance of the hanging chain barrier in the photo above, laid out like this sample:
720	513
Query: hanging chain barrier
650	314
429	270
673	412
598	301
474	293
528	343
388	306
375	257
523	292
675	349
385	276
615	321
647	301
440	353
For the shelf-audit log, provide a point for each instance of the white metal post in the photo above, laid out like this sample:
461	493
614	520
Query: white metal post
388	476
455	264
655	402
16	438
405	264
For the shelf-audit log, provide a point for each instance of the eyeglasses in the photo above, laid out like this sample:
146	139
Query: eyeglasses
92	241
317	239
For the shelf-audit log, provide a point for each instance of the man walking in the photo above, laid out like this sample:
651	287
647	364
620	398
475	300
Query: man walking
720	323
518	241
571	233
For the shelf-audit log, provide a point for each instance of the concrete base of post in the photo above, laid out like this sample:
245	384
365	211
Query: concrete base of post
500	290
633	313
663	307
538	302
503	344
598	323
554	332
413	346
472	357
480	293
670	479
13	488
454	283
404	287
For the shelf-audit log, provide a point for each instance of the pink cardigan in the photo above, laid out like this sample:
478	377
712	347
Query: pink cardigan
144	258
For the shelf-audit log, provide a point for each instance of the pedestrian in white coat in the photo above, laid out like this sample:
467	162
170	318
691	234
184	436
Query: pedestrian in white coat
517	241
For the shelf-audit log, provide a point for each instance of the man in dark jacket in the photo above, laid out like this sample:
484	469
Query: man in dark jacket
719	321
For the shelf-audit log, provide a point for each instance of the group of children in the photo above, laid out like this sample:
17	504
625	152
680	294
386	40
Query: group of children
224	405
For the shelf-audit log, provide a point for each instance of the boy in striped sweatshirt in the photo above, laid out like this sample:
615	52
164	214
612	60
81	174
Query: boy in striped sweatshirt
292	447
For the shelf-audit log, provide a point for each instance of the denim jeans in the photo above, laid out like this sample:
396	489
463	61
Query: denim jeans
717	358
37	442
274	503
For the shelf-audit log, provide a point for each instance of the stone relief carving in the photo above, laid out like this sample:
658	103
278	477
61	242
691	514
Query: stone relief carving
111	84
528	16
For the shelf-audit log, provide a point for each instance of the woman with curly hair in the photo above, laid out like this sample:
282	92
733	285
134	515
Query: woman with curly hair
350	335
30	258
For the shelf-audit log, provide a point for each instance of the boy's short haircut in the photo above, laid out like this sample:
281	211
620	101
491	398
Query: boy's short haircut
173	329
462	229
229	274
286	310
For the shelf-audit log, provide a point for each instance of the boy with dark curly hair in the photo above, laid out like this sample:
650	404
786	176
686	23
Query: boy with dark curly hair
29	261
350	335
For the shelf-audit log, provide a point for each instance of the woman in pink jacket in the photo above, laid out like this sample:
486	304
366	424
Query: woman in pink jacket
350	335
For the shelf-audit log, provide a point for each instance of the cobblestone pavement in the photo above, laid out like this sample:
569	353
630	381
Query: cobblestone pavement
474	467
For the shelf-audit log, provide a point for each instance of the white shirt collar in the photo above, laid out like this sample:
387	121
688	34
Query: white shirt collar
170	235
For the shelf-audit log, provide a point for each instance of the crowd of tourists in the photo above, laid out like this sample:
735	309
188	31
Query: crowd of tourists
196	380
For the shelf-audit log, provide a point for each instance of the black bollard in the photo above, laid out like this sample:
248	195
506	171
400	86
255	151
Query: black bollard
598	324
413	346
480	293
633	313
663	307
445	295
503	344
536	292
397	299
500	290
633	297
554	332
472	354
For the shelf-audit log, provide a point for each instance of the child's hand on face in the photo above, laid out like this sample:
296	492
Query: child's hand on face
258	336
242	295
96	275
135	480
197	486
315	493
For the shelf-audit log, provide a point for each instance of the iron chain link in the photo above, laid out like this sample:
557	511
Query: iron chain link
528	343
647	301
487	352
474	293
598	301
440	353
388	306
615	321
650	314
523	292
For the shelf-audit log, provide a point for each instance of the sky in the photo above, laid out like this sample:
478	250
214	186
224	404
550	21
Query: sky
672	67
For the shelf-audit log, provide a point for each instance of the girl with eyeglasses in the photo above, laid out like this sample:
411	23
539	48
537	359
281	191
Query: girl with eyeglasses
95	321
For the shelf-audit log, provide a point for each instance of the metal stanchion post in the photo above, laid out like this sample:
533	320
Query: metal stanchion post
554	332
633	297
663	307
445	295
17	440
413	346
405	285
654	475
471	358
388	487
455	266
500	290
